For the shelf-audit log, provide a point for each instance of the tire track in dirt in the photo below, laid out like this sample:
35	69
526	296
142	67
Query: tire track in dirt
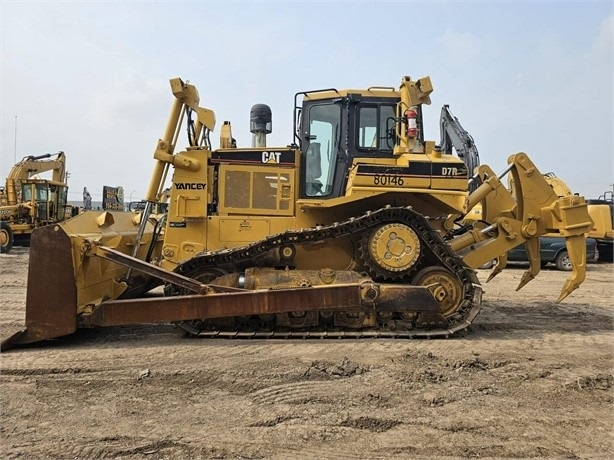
341	453
298	392
112	448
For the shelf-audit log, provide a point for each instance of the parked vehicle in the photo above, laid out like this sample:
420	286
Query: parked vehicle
553	250
28	202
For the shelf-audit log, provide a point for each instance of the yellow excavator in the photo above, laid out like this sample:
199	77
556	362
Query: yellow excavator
352	230
601	211
27	201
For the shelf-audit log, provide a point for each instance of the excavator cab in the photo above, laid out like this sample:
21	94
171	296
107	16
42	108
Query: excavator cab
46	198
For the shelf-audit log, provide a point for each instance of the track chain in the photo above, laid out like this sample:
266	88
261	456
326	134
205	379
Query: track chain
434	248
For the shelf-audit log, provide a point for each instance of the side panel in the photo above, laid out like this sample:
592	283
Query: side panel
412	171
256	190
415	175
186	225
240	230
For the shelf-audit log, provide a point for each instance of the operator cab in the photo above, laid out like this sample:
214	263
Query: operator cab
50	199
335	127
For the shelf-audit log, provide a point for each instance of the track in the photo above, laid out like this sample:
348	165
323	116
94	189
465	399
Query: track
434	252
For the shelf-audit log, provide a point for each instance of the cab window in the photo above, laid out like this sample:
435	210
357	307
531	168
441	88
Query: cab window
321	153
42	192
376	127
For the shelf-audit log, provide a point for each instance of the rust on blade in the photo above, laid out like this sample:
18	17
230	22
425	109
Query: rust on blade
192	307
51	299
260	302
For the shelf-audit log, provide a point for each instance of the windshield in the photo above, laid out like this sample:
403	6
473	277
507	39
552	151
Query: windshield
42	192
321	155
26	192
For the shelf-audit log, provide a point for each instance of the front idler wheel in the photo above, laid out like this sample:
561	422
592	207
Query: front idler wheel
444	286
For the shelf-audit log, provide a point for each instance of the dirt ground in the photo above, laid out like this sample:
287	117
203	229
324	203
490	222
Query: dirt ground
531	378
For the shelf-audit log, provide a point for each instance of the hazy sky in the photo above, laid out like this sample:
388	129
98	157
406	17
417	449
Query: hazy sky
92	78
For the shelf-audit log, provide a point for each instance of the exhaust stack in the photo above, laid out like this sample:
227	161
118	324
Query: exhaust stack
260	124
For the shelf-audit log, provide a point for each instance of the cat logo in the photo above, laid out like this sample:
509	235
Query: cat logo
271	157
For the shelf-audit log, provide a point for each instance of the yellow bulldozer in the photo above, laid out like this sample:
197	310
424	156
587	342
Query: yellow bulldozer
353	230
27	201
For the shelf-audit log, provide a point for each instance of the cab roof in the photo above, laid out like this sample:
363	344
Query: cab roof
374	91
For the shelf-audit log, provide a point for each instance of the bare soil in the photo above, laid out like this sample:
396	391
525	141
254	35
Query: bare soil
531	378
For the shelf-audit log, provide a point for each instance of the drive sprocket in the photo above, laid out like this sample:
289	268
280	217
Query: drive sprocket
390	251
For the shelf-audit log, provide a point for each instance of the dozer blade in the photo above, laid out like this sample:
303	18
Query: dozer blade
51	299
61	278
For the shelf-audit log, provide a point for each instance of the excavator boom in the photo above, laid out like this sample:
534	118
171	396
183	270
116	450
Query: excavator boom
454	136
28	167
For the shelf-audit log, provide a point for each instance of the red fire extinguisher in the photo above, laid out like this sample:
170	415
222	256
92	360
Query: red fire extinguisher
412	121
